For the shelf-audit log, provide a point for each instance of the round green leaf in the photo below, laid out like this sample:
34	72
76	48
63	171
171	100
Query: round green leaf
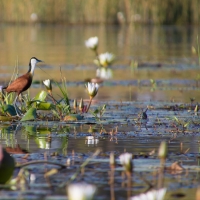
41	96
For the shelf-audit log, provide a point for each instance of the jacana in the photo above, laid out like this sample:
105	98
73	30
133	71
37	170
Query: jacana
23	82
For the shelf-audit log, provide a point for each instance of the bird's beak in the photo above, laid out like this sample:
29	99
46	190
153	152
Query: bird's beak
39	60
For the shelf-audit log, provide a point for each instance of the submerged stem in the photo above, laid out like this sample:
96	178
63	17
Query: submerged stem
89	104
41	161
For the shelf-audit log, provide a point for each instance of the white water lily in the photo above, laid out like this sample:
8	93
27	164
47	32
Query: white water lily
105	59
48	85
126	161
81	191
92	43
92	89
104	73
151	195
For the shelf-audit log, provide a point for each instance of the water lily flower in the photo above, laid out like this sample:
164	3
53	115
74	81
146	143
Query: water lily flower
48	85
92	89
126	161
92	43
81	191
105	59
151	195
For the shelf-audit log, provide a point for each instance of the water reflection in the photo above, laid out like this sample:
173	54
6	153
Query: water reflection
91	141
104	73
77	139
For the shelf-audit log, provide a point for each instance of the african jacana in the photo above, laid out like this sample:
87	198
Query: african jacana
23	82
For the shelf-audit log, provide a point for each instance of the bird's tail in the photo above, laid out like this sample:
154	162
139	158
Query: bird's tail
2	93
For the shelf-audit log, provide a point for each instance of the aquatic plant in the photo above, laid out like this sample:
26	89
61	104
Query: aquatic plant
151	195
126	161
48	85
98	113
81	191
92	43
103	60
92	89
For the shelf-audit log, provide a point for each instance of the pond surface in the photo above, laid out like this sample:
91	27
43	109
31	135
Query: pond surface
163	54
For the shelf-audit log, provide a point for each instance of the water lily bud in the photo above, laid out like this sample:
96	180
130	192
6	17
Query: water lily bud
81	191
162	151
75	103
92	89
126	161
92	43
48	85
81	105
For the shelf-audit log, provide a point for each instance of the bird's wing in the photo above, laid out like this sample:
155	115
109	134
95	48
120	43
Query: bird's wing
19	85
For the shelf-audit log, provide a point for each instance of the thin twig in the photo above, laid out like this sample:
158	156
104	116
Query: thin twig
39	162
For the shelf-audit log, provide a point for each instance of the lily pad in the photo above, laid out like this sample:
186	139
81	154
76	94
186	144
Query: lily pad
73	117
29	115
41	96
10	109
7	165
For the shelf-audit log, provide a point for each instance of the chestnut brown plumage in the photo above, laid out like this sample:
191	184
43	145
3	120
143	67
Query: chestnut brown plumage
23	82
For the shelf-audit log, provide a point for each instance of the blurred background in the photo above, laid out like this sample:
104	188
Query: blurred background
160	37
177	12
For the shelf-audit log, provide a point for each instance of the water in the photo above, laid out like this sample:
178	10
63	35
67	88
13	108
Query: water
164	55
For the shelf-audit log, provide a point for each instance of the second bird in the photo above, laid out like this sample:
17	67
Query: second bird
23	82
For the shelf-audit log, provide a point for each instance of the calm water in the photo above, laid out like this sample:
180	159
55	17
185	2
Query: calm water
63	46
164	54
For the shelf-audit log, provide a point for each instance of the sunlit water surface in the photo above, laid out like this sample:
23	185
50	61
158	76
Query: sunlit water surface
164	54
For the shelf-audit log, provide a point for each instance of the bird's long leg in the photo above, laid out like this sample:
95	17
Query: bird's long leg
18	111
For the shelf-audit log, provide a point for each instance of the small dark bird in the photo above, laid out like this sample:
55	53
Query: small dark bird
144	114
23	82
